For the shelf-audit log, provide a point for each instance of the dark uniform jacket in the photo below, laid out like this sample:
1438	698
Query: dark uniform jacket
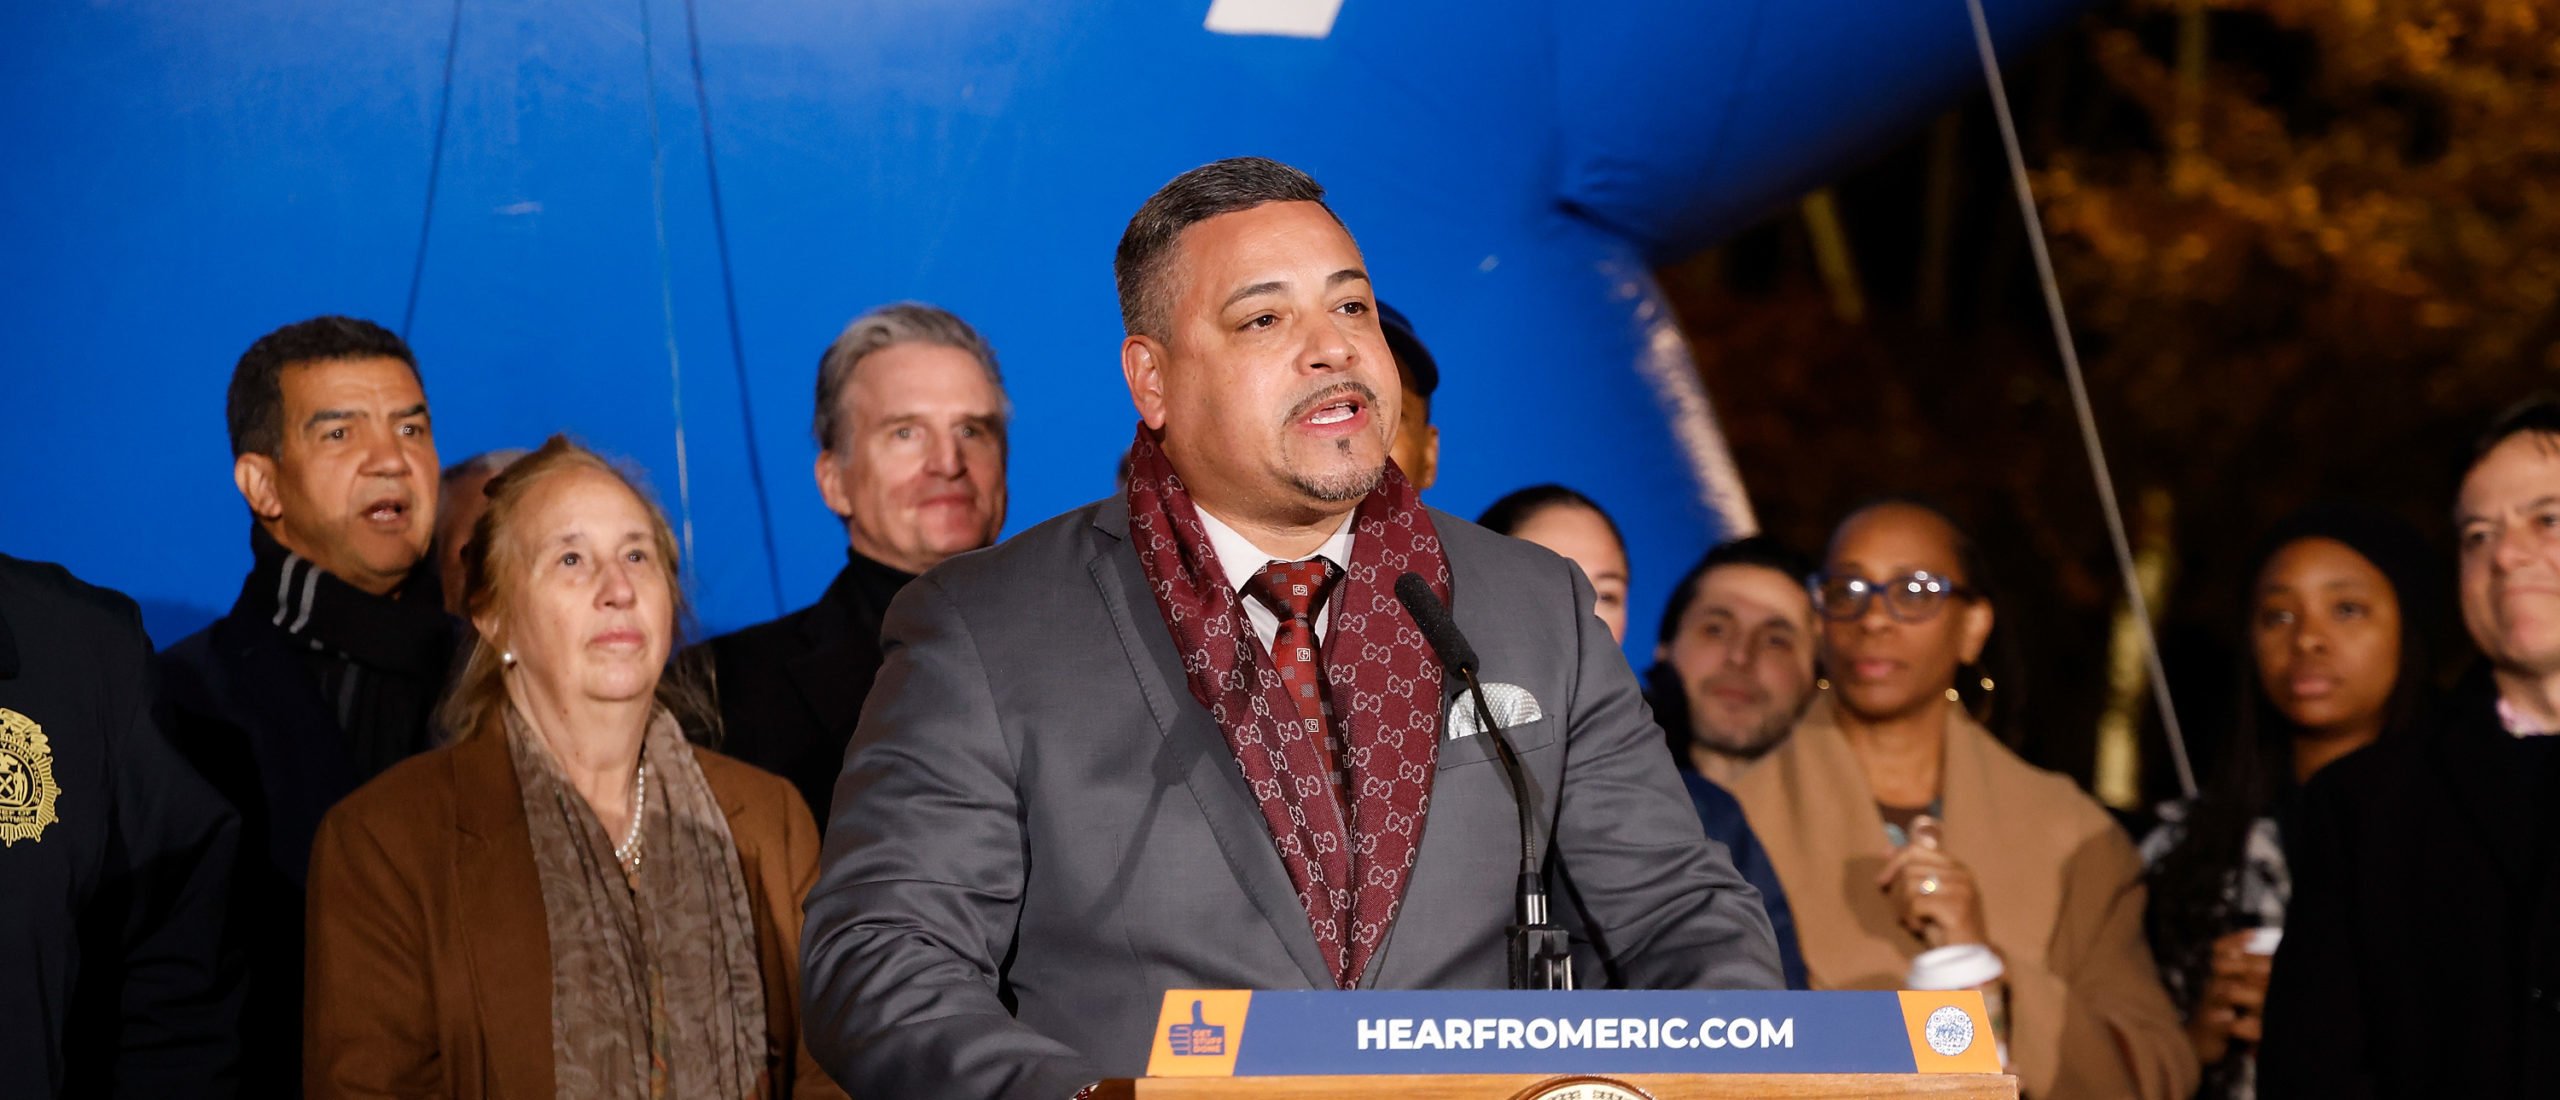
256	701
791	690
114	858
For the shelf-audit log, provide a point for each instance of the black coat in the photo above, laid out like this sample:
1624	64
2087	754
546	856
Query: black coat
239	699
791	690
2421	952
114	859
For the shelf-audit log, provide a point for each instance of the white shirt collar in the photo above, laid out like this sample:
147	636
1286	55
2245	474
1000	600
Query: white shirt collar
1240	559
2513	717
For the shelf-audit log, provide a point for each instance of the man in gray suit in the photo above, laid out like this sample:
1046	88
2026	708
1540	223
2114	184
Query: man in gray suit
1187	738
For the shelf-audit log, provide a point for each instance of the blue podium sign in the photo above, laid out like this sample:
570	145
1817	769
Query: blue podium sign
1237	1033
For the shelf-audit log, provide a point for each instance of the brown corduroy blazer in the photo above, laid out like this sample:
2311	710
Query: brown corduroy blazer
2061	888
428	971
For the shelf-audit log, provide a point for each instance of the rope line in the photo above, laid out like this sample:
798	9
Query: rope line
666	284
435	172
729	299
2080	401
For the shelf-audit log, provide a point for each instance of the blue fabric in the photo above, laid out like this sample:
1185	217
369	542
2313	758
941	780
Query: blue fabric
1721	813
723	201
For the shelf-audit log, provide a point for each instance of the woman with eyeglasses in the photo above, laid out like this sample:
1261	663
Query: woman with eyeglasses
1921	853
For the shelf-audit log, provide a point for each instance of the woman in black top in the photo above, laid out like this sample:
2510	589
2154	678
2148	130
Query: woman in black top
2338	612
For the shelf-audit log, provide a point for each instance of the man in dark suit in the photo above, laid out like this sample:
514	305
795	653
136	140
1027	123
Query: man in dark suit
911	450
327	668
1188	738
115	858
2421	952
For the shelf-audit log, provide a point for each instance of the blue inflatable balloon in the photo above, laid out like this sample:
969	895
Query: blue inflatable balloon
640	221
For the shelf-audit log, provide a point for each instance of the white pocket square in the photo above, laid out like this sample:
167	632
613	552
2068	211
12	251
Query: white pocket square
1512	706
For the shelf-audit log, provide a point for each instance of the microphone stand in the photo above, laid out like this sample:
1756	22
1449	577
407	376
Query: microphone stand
1541	951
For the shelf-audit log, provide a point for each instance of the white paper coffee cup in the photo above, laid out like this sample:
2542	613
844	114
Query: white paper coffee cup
1955	966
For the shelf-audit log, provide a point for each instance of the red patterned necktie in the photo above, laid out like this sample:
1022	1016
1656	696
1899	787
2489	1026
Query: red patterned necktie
1293	590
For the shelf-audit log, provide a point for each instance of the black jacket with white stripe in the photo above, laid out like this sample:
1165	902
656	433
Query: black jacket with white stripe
307	688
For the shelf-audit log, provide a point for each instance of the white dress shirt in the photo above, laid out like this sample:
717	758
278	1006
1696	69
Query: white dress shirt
1241	559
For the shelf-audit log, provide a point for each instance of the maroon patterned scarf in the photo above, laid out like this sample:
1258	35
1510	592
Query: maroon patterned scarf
1384	684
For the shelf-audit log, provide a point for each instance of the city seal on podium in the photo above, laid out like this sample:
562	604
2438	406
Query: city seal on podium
27	790
1584	1088
1949	1031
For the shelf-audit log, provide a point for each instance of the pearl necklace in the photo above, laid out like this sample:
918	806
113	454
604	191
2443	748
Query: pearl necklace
628	852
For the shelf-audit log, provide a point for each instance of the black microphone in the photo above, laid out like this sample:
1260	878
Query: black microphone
1541	954
1437	627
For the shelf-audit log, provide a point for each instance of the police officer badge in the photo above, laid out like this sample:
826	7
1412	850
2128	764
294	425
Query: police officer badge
27	789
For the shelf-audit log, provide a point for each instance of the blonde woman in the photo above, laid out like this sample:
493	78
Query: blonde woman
568	900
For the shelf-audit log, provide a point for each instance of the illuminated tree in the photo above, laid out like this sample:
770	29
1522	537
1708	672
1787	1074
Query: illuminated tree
2346	194
2309	246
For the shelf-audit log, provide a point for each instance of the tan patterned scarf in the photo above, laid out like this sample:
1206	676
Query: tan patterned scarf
1384	683
655	991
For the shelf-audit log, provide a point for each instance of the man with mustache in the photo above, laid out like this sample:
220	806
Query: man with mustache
1187	737
2418	953
911	417
327	668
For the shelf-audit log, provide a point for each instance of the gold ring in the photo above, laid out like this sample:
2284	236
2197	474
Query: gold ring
1928	885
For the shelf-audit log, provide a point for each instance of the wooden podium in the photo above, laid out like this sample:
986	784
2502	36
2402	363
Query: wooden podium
1597	1045
1659	1086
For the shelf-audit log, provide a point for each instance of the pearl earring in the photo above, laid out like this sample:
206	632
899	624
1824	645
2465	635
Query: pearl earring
508	658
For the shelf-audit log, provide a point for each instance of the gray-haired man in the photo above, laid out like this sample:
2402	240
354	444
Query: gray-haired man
910	427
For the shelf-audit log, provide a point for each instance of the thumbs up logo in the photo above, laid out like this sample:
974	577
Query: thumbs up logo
1197	1039
1187	1044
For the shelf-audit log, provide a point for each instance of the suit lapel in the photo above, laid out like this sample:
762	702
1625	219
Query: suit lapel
777	955
1984	801
1208	766
843	635
1835	845
506	935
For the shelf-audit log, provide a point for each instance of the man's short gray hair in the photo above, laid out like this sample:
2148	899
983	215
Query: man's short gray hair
886	327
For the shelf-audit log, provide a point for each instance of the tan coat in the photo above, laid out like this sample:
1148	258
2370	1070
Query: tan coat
428	971
2062	900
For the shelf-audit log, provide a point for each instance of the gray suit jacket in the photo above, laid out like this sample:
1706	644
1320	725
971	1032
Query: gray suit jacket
1039	831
